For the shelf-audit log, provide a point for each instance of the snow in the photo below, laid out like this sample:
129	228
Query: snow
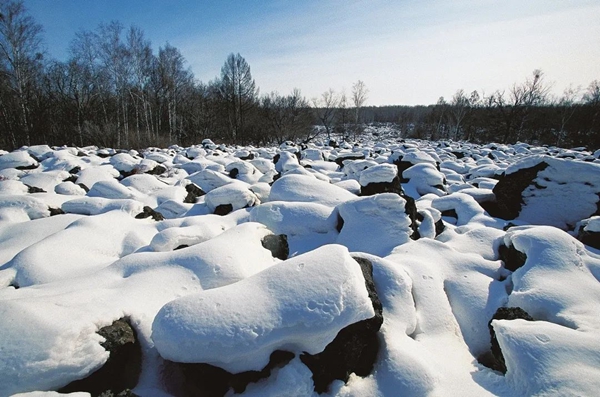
378	173
202	288
284	307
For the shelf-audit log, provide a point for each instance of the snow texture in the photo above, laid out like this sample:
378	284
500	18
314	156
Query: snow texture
198	287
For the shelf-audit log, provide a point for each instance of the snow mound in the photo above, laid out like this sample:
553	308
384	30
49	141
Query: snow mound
282	308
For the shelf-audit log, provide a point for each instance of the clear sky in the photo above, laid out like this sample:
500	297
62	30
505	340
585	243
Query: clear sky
406	51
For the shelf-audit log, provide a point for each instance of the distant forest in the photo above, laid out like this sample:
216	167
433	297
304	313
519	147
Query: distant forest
116	91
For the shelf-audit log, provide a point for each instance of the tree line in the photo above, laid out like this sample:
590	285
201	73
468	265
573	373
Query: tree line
114	90
526	112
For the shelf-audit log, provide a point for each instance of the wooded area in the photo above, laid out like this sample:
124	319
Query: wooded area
114	90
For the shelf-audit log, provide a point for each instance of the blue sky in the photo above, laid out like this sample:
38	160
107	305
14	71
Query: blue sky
407	52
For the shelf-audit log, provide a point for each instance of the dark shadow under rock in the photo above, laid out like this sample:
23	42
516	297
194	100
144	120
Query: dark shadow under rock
354	349
149	212
589	238
277	244
159	169
180	247
223	209
382	187
27	167
509	190
84	187
402	166
234	173
34	189
410	208
348	156
193	192
56	211
125	174
512	258
439	227
72	178
75	170
495	359
121	371
340	223
205	380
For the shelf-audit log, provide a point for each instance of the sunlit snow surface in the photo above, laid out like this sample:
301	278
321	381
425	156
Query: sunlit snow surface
200	287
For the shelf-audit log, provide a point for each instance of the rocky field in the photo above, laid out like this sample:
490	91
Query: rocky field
384	267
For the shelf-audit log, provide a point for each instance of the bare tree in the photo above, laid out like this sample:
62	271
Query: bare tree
287	116
20	63
515	108
359	98
459	107
239	91
325	110
566	104
592	99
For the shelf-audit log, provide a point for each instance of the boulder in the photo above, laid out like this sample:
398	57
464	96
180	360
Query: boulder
192	379
509	190
193	192
542	190
588	231
123	367
149	212
381	178
512	258
496	359
354	349
277	244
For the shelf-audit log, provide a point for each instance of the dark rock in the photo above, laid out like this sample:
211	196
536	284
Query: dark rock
193	193
439	227
512	258
340	223
56	211
402	166
382	187
84	187
34	189
277	244
159	169
276	158
182	246
589	238
121	371
459	155
27	167
410	208
223	209
275	178
354	349
149	212
509	190
248	157
125	174
185	379
496	359
75	170
348	156
234	173
451	213
72	178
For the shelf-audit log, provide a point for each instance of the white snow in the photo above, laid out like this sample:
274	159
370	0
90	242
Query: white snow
199	287
298	305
